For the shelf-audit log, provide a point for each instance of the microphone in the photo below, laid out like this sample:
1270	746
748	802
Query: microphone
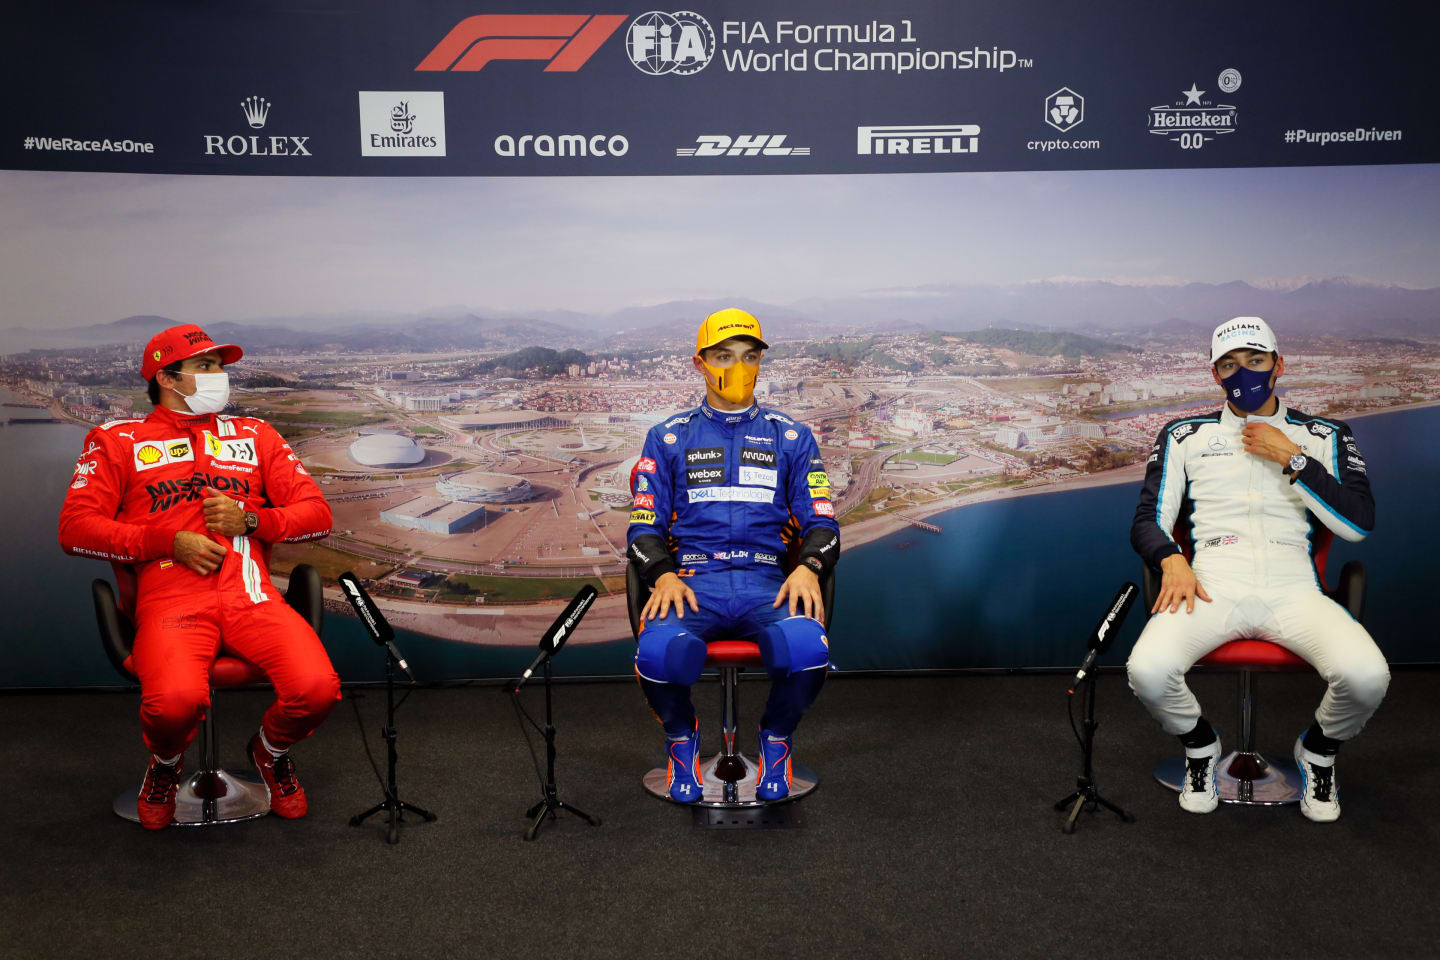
375	623
1106	629
554	638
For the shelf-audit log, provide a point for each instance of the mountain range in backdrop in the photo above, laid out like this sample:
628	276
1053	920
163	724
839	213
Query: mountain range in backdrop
1339	306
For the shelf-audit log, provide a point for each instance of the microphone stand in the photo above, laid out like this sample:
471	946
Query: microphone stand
392	803
1086	794
550	802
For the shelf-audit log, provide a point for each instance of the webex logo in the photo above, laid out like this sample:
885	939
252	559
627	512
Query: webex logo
926	139
565	41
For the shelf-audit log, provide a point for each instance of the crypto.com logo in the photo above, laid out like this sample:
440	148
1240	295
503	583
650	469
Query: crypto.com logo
565	40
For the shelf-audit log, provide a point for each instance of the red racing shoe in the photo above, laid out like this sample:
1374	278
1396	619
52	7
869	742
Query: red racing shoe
156	803
287	797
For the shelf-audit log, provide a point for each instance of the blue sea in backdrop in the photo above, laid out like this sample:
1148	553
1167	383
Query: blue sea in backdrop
1009	583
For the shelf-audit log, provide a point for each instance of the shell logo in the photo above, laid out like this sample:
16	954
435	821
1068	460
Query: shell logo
149	454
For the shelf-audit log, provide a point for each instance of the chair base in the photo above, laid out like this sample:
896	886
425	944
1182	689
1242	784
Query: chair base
237	795
803	783
1248	779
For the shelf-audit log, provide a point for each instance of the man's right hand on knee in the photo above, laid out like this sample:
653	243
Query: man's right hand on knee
1178	586
198	552
668	591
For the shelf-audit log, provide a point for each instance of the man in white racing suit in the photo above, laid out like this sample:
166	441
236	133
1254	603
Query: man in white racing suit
1249	486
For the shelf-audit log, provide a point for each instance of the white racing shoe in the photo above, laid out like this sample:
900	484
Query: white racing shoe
1199	793
1320	796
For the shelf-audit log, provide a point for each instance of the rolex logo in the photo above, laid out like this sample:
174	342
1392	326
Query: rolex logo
256	110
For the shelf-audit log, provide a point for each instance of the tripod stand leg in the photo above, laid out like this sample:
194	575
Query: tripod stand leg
534	828
1070	821
1065	801
593	821
426	814
1124	815
360	818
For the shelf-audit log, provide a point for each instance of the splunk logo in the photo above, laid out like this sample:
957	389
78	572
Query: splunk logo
564	41
167	493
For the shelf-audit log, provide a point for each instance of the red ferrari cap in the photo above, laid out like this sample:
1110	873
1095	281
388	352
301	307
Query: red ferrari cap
181	343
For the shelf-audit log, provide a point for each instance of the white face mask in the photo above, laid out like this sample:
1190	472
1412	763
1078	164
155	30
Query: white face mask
212	392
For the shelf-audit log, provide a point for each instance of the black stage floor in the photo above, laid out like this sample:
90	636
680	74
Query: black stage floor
932	834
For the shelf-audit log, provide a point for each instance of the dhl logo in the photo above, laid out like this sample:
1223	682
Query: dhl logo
566	41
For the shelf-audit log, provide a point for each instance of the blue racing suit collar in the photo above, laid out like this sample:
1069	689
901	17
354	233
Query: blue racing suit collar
729	417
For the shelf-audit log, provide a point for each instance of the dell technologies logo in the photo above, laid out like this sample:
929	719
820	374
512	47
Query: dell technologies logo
256	111
942	138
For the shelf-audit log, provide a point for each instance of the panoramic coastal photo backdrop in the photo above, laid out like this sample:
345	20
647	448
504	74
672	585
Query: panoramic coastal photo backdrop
469	366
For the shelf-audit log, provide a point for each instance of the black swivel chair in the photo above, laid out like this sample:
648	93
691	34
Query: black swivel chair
210	795
729	776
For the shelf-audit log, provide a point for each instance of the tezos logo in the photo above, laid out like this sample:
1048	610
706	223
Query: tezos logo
720	145
1064	109
1192	122
401	123
659	43
909	140
256	111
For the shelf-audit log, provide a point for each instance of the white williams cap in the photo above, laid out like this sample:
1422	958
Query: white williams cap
1242	333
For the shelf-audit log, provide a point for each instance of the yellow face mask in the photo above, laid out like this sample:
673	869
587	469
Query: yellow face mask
733	379
735	383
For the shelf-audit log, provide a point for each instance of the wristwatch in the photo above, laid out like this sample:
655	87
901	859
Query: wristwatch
814	564
252	522
1297	463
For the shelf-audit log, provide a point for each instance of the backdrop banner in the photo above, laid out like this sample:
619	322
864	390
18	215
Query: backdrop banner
465	248
488	89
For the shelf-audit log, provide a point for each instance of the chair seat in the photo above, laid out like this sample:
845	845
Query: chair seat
226	671
733	653
1253	655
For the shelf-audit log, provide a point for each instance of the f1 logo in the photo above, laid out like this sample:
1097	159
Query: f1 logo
565	40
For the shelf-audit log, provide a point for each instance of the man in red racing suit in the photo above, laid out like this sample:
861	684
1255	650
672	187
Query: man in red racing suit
185	505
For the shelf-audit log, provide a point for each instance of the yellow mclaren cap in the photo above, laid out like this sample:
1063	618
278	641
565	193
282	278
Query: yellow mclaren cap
724	324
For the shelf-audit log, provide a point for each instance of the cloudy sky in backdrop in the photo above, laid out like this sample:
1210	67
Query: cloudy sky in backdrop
90	248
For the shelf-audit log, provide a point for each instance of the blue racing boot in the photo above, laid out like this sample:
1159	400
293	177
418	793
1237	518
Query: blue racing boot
775	776
682	771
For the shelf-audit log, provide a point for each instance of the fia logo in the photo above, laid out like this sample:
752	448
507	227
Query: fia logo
681	43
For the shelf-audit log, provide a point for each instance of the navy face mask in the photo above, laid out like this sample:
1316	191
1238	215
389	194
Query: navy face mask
1248	389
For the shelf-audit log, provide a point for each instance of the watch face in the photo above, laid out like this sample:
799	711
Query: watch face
1297	462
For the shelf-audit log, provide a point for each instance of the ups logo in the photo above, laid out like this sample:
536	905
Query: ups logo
179	450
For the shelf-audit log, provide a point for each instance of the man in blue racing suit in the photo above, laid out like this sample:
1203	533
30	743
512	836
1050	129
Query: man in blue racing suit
721	493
